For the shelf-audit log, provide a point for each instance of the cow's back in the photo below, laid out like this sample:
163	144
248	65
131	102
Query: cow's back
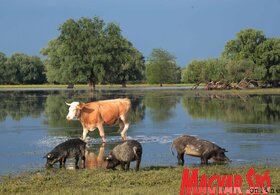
111	110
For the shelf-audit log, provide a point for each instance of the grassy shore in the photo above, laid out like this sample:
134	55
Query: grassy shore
116	86
79	86
152	180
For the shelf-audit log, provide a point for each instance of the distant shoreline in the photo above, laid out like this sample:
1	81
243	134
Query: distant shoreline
187	87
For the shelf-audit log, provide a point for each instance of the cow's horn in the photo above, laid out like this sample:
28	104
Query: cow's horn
67	104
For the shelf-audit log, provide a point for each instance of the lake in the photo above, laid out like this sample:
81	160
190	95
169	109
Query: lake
32	122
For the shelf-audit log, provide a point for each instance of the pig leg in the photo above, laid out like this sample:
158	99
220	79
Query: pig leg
127	166
62	162
123	165
138	161
180	157
204	159
76	162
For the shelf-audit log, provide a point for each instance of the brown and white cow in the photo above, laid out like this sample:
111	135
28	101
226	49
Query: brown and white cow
93	115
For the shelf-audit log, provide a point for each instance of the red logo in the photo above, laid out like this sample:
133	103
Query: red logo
224	184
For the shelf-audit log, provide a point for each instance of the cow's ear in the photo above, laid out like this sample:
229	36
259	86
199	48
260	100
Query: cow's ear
81	105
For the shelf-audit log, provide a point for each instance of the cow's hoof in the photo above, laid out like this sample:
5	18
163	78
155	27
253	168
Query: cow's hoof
103	140
123	137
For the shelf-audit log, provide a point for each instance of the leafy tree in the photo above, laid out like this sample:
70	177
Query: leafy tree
269	56
88	50
244	46
194	72
3	60
12	72
215	69
262	55
132	69
243	69
178	74
23	69
161	67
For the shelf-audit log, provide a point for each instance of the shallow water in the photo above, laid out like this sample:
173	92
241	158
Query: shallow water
32	122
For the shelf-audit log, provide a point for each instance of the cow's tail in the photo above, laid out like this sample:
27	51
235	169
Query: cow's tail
171	149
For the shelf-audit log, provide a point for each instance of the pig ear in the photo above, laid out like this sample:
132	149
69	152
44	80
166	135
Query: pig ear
108	157
49	155
224	150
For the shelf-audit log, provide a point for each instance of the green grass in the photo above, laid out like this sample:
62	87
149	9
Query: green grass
83	86
97	86
153	180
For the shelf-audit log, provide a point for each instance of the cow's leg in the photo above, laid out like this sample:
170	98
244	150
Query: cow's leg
85	132
126	125
101	132
121	124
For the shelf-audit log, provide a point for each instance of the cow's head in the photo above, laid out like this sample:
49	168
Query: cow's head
74	110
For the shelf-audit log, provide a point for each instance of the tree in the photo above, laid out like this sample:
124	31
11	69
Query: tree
88	50
269	56
3	60
262	54
194	72
244	46
23	69
132	69
161	67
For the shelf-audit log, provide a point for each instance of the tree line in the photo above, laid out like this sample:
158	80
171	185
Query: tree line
250	57
21	69
88	50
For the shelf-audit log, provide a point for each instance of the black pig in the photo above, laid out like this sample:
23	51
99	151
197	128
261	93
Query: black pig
73	148
193	146
123	154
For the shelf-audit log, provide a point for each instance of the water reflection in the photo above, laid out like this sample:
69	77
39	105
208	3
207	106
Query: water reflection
253	109
245	109
162	107
35	122
95	159
19	104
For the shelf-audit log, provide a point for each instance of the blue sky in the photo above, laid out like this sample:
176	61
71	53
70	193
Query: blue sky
188	29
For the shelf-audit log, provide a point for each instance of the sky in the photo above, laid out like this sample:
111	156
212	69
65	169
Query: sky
188	29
